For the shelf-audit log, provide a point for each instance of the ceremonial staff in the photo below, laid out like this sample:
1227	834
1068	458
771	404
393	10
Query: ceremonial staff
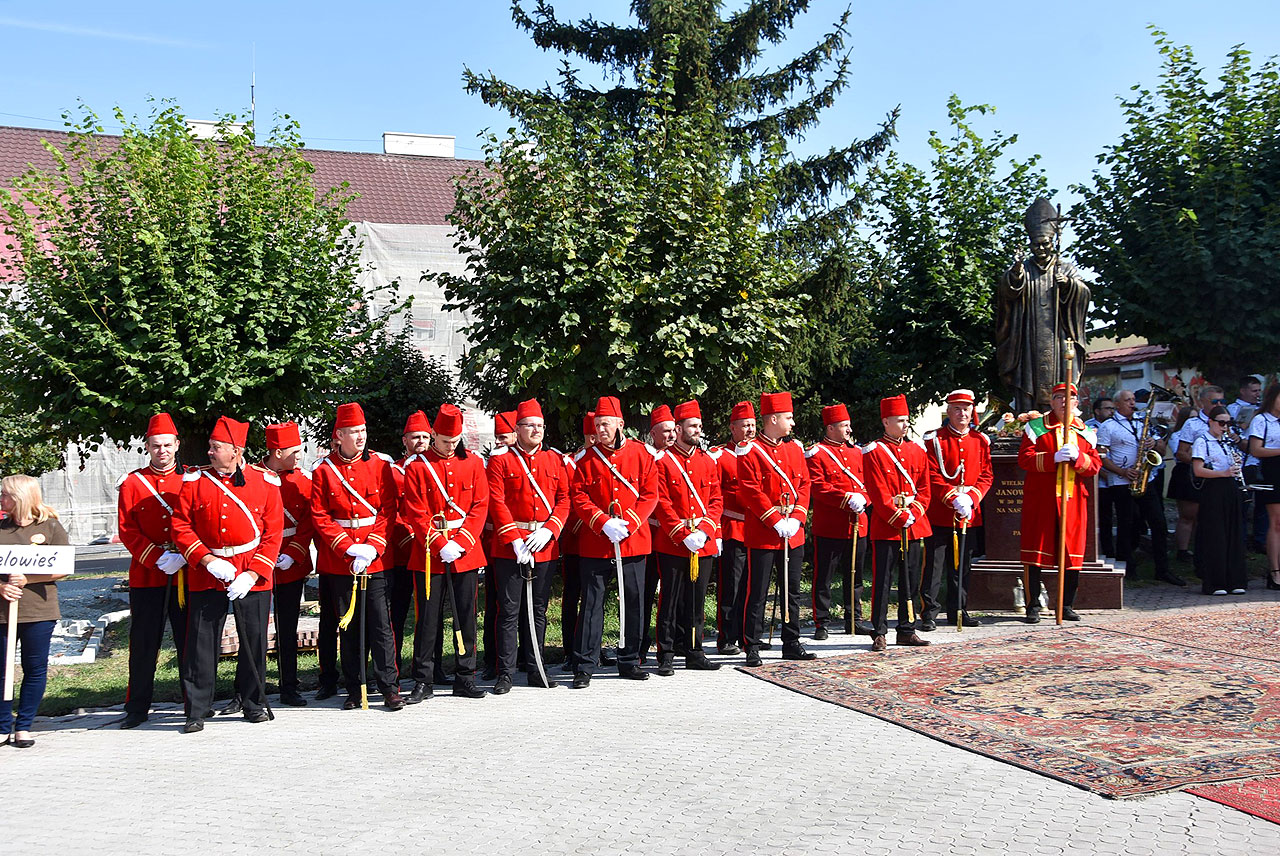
614	511
959	548
1064	473
458	644
787	507
903	502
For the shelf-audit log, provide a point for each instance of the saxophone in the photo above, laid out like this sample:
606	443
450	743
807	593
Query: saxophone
1151	458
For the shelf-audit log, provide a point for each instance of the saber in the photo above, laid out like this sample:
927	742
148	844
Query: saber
693	596
903	502
259	677
364	653
785	591
458	645
622	600
854	598
533	623
964	534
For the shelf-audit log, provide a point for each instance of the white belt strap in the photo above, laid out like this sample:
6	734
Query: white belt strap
689	484
619	476
356	522
349	488
734	515
532	481
856	481
440	486
149	486
777	469
898	464
257	533
226	552
289	532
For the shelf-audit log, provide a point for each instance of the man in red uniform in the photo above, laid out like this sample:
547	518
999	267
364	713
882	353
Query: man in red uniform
662	434
353	506
569	558
147	499
415	438
504	437
687	540
731	567
446	502
1046	446
773	486
839	499
293	566
528	505
227	526
959	477
614	492
897	477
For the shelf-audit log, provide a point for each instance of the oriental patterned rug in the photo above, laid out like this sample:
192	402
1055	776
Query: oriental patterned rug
1252	631
1114	713
1260	797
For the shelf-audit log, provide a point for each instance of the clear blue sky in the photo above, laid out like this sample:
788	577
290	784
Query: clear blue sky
350	71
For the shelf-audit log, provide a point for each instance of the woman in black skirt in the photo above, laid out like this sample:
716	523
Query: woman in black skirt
1215	468
1264	444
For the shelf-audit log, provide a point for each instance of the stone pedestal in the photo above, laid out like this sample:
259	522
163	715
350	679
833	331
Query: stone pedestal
994	578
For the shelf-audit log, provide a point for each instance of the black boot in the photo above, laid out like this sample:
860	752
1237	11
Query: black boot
665	667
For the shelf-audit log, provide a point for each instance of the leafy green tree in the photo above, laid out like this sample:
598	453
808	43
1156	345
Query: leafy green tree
1182	220
157	271
599	261
26	444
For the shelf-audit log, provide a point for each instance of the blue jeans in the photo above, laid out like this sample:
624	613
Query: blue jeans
34	638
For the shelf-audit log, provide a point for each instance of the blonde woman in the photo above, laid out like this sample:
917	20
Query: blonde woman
28	521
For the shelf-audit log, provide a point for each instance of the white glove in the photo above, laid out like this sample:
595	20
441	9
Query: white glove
170	562
615	529
963	504
451	553
911	521
523	554
719	546
222	570
695	541
793	526
240	586
857	503
1066	453
965	513
359	566
284	562
538	539
367	552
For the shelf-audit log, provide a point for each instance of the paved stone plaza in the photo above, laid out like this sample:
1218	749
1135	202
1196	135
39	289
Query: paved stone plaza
698	763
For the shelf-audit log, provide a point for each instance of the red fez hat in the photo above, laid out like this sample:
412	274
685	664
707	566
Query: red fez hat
283	435
893	406
688	410
742	410
960	396
589	422
349	416
161	423
230	431
661	413
448	421
528	408
417	422
835	413
504	422
608	406
1062	387
775	402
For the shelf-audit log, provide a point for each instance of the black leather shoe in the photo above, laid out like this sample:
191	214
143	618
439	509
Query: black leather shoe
464	688
1069	614
766	646
928	626
440	679
192	726
699	662
911	639
798	653
581	680
535	680
567	667
728	650
489	674
753	657
633	673
1033	616
258	715
607	659
863	628
503	685
326	692
819	633
665	667
23	742
392	700
352	703
133	720
233	707
878	643
1171	578
292	700
419	693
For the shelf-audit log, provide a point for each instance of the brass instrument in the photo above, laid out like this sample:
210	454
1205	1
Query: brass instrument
1151	432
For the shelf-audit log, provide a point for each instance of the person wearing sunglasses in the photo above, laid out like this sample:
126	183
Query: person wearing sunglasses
1181	486
1215	467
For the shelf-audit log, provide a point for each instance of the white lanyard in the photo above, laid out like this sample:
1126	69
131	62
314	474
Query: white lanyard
777	469
898	464
857	482
440	486
533	482
702	505
619	476
149	486
257	533
349	488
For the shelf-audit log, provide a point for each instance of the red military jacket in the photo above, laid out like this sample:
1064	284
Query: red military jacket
679	512
1040	502
568	540
208	520
295	499
892	468
464	505
143	521
733	521
361	511
957	462
835	471
515	508
761	485
595	489
400	541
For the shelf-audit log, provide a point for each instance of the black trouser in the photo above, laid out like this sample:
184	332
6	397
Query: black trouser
669	644
652	576
731	593
513	626
687	598
595	575
288	602
761	565
1149	508
570	599
940	564
1069	586
461	590
832	559
378	639
146	635
1108	510
492	618
399	598
886	566
327	634
206	619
